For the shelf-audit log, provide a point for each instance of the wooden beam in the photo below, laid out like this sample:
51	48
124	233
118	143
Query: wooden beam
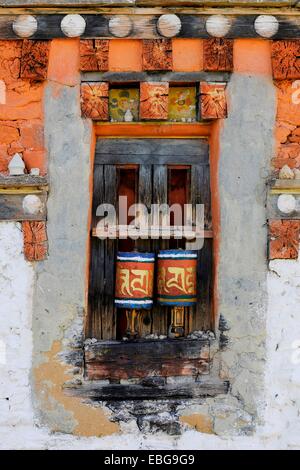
144	25
172	77
117	359
96	391
150	151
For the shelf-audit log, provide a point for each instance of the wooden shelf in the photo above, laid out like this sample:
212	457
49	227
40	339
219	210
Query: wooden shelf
23	184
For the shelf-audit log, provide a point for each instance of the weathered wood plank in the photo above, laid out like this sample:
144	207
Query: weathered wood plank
11	207
145	197
200	194
96	391
133	77
152	151
160	196
117	360
108	310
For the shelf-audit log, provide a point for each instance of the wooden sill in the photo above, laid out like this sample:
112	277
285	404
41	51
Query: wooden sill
116	360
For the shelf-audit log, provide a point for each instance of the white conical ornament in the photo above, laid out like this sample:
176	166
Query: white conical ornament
73	26
128	116
25	26
16	166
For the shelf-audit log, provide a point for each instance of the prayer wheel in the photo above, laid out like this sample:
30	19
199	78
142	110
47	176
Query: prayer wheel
177	285
134	286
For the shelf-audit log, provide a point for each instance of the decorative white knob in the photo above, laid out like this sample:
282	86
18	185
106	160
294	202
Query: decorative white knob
73	26
266	26
168	25
286	203
32	204
120	26
25	26
218	26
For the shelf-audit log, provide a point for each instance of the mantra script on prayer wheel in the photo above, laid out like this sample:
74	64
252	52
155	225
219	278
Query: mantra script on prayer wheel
134	280
177	278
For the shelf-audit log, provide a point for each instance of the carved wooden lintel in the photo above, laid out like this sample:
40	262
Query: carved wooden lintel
286	59
94	55
213	100
218	55
94	101
34	59
154	100
35	240
157	54
284	239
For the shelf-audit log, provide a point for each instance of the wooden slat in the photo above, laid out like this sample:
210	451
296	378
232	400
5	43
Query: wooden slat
108	309
200	194
120	360
11	207
160	196
145	197
151	151
274	213
97	262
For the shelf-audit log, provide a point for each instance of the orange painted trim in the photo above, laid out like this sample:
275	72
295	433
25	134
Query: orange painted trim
154	130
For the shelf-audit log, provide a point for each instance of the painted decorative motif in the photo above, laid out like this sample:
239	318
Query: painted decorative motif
182	104
286	59
134	280
154	100
284	239
35	240
34	59
157	54
94	100
94	55
124	104
213	100
177	278
218	55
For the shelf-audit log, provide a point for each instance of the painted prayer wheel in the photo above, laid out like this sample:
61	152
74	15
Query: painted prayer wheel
177	278
134	280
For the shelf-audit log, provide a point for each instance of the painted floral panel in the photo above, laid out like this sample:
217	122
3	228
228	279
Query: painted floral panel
124	104
182	104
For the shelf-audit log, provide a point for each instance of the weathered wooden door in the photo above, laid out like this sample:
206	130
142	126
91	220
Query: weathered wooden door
149	171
